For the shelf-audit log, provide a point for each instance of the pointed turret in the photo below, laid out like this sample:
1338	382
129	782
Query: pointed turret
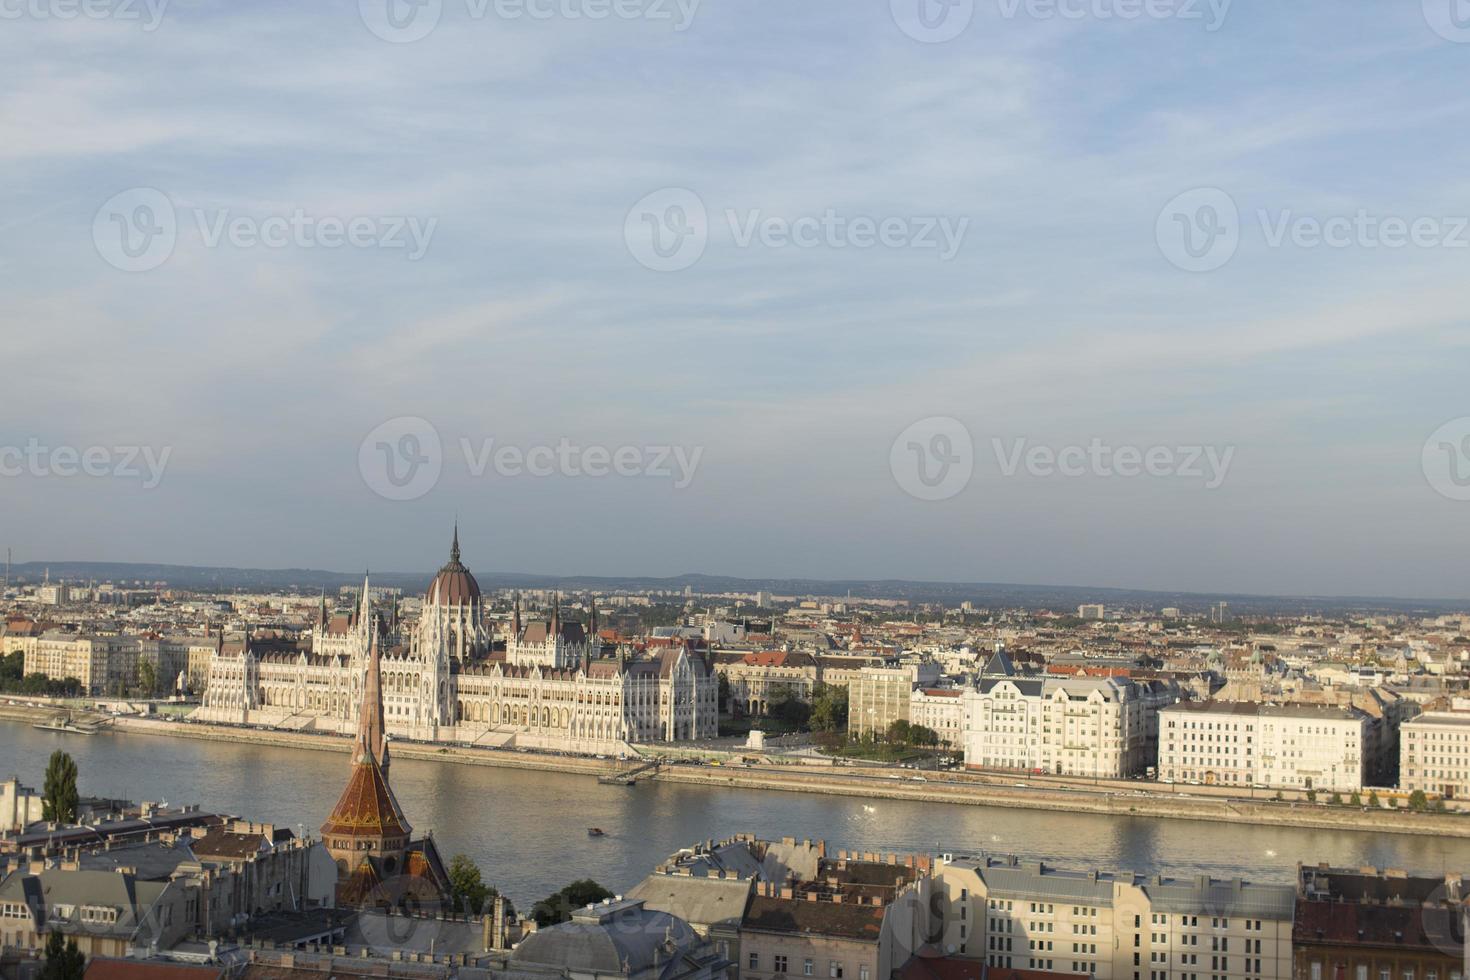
365	604
372	737
454	548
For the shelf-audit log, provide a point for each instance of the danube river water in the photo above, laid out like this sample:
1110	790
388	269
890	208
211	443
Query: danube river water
528	830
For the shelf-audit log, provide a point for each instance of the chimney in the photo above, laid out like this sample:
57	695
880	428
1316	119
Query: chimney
497	941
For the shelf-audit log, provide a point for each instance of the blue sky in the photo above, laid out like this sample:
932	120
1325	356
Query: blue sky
1059	140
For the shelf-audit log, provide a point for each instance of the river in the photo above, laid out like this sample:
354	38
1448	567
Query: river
528	830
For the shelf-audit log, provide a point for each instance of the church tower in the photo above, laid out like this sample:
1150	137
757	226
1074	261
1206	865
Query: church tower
367	833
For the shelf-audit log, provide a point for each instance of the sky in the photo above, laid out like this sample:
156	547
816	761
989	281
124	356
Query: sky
1134	293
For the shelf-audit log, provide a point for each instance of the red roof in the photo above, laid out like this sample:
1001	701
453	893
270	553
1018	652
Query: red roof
367	807
102	969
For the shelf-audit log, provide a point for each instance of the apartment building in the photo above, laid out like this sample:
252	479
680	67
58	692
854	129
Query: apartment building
1434	754
755	680
1243	743
1076	726
106	912
941	709
1367	924
878	697
104	663
860	918
1025	915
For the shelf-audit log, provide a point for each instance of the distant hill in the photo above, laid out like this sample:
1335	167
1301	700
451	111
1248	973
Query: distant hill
984	594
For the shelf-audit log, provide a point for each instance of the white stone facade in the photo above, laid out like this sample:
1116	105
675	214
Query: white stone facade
1434	754
442	681
1242	743
1070	726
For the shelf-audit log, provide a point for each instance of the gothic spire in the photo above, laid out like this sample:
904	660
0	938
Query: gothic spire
365	603
454	548
372	737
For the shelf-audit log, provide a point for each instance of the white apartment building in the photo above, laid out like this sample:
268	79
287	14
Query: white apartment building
1434	754
1025	915
1072	726
1243	743
941	709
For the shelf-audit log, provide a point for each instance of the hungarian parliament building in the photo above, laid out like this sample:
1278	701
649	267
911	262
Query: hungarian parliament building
444	679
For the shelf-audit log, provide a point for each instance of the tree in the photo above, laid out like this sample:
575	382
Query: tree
829	708
12	669
787	708
1356	799
559	906
467	887
923	736
1335	799
1373	799
147	679
724	702
1418	801
899	732
63	960
59	796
